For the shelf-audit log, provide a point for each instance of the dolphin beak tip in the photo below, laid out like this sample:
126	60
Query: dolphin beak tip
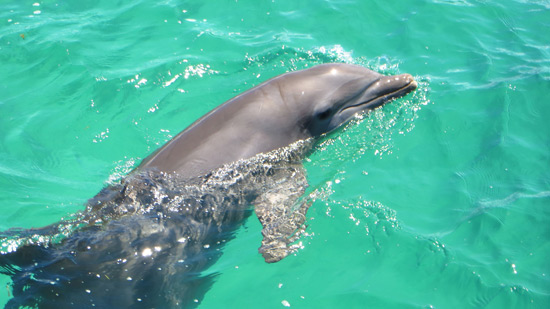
412	83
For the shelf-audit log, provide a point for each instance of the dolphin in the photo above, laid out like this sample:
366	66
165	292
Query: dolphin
148	240
291	107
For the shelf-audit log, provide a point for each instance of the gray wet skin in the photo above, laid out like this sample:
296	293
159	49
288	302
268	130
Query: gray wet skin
290	107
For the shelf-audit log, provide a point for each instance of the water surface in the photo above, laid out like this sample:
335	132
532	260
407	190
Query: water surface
441	199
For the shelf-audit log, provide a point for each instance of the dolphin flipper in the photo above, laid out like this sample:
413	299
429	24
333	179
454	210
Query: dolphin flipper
282	213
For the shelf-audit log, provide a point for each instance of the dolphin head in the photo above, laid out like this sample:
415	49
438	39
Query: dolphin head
327	96
287	108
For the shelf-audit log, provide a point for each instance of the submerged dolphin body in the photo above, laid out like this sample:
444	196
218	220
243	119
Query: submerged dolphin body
147	241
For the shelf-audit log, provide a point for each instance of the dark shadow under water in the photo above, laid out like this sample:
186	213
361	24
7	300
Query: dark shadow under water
144	242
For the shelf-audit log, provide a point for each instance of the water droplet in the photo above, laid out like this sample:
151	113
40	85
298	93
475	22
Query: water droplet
147	252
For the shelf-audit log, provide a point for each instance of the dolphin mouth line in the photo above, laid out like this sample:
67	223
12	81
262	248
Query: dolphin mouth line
408	88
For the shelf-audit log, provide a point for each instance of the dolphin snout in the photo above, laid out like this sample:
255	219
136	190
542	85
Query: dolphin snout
387	88
410	80
389	84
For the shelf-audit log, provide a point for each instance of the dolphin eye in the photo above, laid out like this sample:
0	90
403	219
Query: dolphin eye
324	114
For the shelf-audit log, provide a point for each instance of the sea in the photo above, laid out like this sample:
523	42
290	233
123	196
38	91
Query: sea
440	199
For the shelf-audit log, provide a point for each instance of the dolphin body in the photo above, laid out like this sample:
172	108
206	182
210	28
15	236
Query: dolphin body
288	108
148	241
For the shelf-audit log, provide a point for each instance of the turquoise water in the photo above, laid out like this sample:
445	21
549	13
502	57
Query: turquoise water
441	199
